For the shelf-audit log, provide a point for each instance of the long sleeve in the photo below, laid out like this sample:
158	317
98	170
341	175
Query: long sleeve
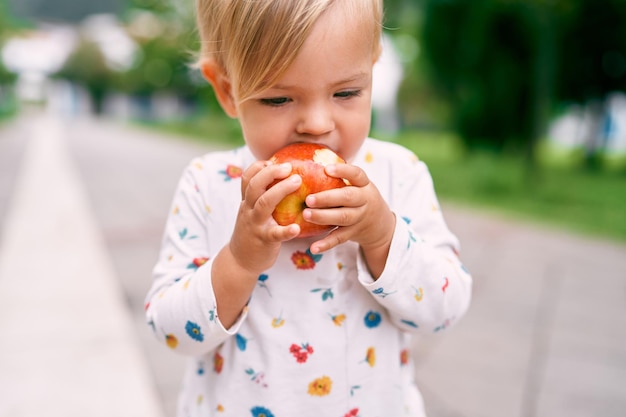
181	306
424	285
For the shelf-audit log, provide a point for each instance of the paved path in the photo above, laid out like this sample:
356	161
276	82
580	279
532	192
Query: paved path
545	336
67	345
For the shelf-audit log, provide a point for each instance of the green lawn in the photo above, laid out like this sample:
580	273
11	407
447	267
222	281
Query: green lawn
559	193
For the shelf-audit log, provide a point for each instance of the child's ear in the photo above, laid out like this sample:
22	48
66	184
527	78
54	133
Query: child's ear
216	76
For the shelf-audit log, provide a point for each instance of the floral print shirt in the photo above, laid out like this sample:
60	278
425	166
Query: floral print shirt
319	336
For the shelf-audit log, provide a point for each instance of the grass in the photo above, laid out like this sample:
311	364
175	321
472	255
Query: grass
557	193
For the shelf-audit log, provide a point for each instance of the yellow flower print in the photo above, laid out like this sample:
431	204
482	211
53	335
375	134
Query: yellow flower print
339	266
220	408
199	399
320	386
176	210
277	322
419	294
198	166
207	208
369	157
370	357
338	319
171	341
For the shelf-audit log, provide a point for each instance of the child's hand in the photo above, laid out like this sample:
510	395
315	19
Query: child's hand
256	239
360	212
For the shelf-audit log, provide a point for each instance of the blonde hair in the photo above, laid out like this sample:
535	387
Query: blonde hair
255	41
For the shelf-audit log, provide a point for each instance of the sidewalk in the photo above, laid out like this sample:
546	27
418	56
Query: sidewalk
545	335
67	346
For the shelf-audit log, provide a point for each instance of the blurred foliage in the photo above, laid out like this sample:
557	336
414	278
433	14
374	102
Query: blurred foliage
87	66
591	51
486	57
8	24
504	65
566	197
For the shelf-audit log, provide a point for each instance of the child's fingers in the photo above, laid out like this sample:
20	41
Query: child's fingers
351	173
260	179
334	238
283	233
266	203
249	173
340	197
340	216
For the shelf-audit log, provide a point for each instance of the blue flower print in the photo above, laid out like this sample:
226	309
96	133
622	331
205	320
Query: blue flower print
327	293
242	342
409	323
184	234
411	239
372	319
261	412
262	283
382	293
194	331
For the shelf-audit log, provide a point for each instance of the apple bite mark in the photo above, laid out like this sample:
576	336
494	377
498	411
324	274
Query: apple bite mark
309	161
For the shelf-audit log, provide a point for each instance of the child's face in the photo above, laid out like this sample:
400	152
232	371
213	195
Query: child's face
324	96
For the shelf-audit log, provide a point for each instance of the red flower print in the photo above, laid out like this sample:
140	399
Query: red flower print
404	357
200	261
234	171
218	362
231	172
303	260
302	352
197	263
445	284
352	413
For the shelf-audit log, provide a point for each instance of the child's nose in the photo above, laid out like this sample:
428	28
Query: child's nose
315	120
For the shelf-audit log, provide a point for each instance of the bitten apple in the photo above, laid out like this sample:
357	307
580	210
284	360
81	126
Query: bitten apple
307	160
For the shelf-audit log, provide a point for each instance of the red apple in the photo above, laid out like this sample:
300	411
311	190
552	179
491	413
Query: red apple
307	160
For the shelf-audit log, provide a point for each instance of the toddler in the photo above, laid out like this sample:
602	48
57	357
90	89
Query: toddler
280	326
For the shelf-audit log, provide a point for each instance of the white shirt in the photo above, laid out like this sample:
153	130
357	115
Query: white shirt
319	337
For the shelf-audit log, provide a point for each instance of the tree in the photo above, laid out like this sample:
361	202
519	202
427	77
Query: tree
7	78
502	64
87	66
164	34
491	60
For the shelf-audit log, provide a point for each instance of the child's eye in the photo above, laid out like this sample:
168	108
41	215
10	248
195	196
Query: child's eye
348	93
274	101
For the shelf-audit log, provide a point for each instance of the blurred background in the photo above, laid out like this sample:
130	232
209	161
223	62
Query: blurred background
517	106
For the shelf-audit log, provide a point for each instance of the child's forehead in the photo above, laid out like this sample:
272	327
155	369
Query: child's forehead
282	35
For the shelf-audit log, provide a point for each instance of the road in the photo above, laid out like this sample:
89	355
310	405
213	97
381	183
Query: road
545	336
